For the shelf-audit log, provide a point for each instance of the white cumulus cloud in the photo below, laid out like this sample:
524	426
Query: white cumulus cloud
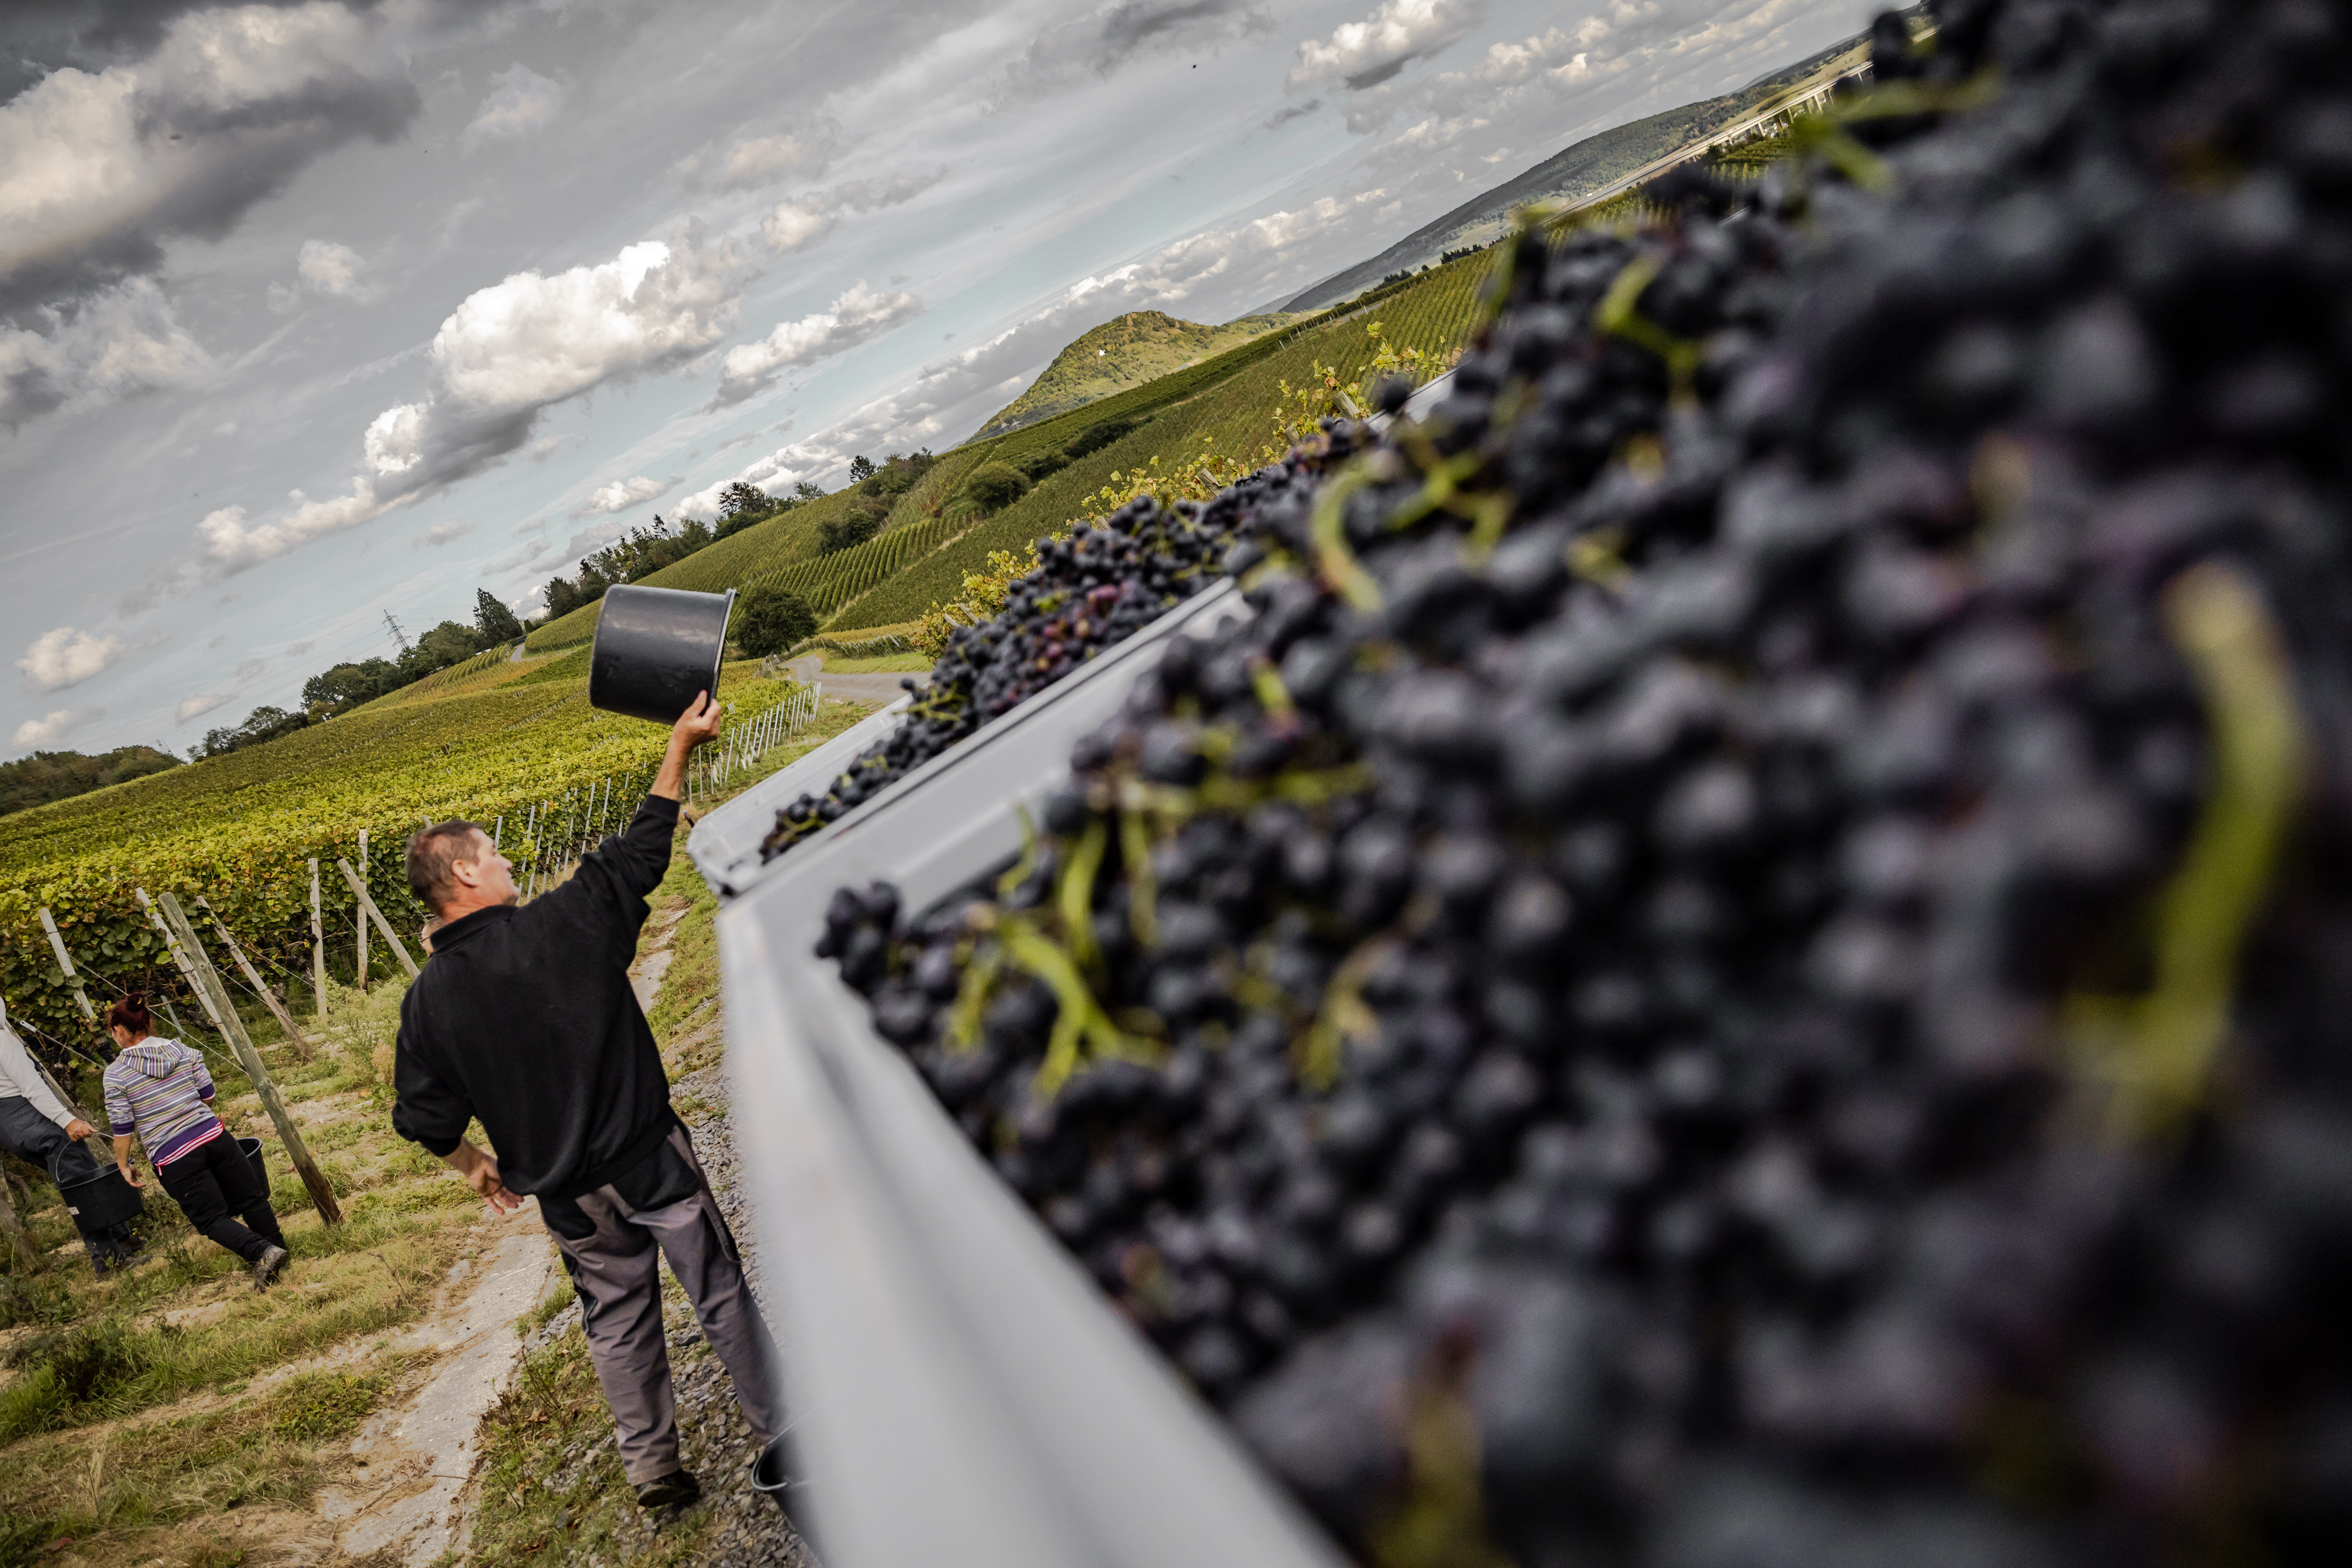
622	494
532	341
203	703
1359	55
502	358
522	103
49	729
859	315
65	657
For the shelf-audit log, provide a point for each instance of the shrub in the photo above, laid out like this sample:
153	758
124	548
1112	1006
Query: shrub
769	620
996	486
853	525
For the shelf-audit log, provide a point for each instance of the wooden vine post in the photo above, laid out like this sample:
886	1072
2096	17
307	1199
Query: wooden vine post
360	965
65	962
81	999
209	985
367	907
187	968
278	1009
317	945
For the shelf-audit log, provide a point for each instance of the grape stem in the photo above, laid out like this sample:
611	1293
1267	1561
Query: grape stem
2153	1055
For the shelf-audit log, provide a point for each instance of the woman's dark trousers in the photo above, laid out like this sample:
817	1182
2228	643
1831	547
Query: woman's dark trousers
212	1182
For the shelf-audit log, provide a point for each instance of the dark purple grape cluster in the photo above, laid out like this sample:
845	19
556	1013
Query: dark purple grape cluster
1744	961
1089	591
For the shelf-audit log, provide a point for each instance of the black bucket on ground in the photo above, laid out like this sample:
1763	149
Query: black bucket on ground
94	1191
655	648
251	1149
771	1472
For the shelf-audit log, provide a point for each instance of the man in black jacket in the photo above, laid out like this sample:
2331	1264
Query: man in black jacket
525	1017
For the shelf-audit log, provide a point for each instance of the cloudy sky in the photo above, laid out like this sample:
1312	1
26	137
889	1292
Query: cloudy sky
310	312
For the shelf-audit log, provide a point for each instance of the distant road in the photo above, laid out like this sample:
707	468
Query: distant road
871	689
1786	110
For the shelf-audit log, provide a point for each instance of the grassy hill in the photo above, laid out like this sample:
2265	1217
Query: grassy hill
1141	346
1579	170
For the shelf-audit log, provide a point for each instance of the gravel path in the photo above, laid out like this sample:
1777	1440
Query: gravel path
877	689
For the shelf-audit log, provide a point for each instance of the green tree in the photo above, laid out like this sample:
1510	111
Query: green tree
805	491
348	685
493	620
995	485
769	620
861	468
261	724
451	642
743	495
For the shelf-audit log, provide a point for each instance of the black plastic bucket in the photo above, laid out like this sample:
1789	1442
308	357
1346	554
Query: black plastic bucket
771	1472
251	1149
102	1200
655	648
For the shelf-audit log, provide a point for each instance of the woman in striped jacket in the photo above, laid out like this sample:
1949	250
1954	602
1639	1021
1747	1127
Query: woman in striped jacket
159	1088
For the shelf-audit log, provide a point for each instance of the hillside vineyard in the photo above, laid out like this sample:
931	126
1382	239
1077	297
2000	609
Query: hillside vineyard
1742	962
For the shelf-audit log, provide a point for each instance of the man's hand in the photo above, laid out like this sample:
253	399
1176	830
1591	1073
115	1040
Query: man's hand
481	1174
696	725
78	1130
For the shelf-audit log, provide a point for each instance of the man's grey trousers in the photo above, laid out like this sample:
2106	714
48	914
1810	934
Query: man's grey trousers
617	1279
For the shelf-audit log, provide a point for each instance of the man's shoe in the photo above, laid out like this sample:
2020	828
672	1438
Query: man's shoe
675	1489
266	1267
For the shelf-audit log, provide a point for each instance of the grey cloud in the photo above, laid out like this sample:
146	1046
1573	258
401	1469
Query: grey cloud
37	36
1101	41
522	103
115	344
222	113
1290	111
806	149
868	195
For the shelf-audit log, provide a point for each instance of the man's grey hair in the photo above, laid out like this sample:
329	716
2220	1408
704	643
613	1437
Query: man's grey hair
431	852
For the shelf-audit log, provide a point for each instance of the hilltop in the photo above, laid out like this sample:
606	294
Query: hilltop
1129	351
1582	170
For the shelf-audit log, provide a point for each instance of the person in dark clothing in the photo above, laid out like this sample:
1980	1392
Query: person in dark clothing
36	1124
525	1018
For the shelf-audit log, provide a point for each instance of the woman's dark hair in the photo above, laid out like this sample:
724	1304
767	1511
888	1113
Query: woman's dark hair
132	1014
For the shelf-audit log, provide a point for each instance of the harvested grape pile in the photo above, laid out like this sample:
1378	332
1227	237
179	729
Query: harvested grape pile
1088	593
1745	961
